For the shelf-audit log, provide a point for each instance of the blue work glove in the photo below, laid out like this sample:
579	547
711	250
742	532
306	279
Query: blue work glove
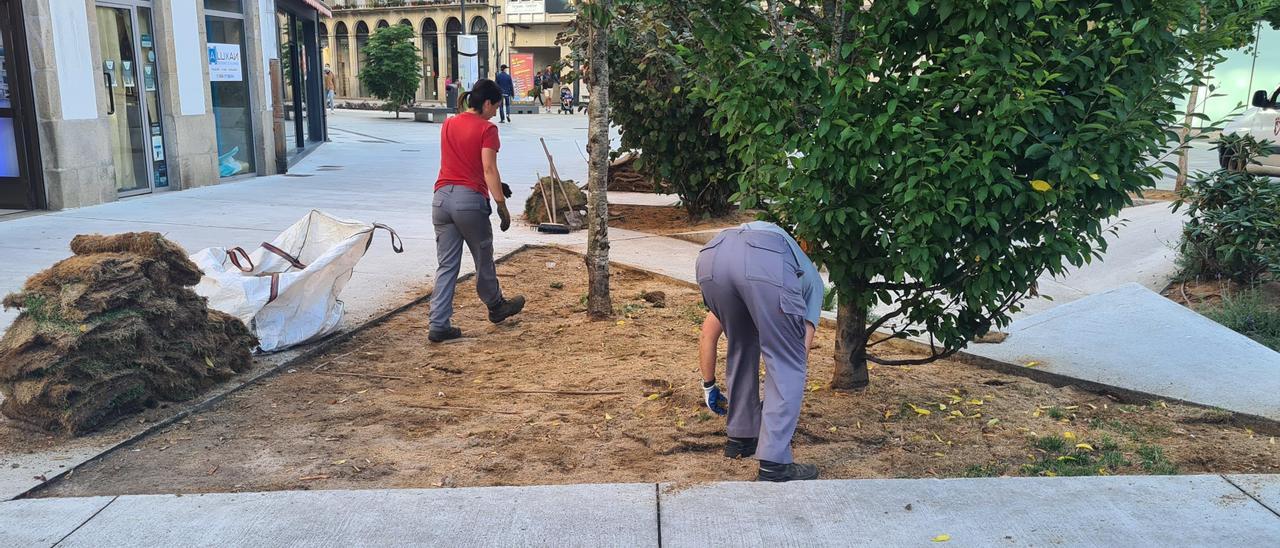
714	399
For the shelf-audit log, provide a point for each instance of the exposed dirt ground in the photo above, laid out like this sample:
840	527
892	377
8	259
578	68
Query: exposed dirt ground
554	398
669	219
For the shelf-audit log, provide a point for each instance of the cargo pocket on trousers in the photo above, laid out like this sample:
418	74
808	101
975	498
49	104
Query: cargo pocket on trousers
768	259
706	264
793	302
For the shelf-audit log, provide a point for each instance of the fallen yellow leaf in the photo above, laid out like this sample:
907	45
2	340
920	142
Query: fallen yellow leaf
680	423
1084	446
653	396
918	410
1069	436
608	417
942	407
888	413
1051	473
622	322
939	454
1041	185
993	422
1032	364
975	401
941	538
832	429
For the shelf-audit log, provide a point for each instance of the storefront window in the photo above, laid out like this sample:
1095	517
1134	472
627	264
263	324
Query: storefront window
230	91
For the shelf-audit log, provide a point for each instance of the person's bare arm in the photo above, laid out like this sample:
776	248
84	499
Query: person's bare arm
489	158
809	330
707	347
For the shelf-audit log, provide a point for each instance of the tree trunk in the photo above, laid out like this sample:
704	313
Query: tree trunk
851	346
599	304
1181	180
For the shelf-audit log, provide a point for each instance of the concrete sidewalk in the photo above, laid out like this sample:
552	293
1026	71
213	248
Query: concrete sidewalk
1096	511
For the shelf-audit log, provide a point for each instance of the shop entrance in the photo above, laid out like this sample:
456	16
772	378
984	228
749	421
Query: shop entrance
19	165
130	78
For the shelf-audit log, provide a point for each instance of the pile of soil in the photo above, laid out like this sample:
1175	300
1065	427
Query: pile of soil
111	330
623	177
535	208
666	220
551	397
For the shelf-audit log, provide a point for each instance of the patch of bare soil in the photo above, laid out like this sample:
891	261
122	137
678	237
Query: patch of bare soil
555	398
666	220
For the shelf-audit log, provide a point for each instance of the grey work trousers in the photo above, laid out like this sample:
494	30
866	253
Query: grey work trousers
750	280
461	215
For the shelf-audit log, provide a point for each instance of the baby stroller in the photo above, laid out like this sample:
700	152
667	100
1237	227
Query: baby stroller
566	101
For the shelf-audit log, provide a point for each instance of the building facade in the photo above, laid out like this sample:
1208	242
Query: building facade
437	24
524	29
106	99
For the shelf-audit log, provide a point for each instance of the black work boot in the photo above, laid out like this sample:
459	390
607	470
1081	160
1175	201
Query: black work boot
444	335
772	471
738	448
506	309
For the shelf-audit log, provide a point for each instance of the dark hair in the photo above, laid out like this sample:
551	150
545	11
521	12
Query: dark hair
484	90
503	67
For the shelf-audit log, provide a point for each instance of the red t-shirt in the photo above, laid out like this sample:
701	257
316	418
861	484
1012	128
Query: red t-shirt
461	139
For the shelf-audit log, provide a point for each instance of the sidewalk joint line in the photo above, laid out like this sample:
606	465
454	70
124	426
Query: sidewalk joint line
1250	495
657	499
332	128
82	524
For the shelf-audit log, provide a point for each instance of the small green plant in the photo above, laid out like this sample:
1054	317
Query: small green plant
557	285
1250	314
1051	444
1154	462
1056	413
629	310
695	313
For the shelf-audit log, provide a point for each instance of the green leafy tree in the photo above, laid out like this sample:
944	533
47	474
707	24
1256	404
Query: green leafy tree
392	72
938	157
655	112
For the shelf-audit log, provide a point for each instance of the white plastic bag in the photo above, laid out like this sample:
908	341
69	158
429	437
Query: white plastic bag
286	291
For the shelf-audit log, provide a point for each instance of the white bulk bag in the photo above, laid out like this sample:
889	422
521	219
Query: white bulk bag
286	291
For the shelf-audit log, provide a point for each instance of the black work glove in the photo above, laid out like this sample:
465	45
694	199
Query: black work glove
505	216
506	190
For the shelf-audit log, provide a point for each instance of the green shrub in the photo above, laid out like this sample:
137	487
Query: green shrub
1233	220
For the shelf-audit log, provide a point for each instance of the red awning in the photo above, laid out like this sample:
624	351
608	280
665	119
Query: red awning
320	7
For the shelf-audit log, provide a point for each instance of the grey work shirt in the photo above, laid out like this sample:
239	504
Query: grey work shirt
814	288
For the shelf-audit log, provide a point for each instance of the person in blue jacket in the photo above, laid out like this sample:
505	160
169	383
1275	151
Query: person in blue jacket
508	91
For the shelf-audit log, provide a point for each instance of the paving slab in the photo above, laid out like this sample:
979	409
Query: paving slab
1133	338
1265	488
567	515
1094	511
43	522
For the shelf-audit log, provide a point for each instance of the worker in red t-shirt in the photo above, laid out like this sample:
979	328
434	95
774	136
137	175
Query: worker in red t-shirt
460	211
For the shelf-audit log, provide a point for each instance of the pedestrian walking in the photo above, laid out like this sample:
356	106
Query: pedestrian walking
550	81
765	295
508	91
460	209
330	88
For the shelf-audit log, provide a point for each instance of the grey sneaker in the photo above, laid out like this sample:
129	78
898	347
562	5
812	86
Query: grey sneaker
506	309
772	471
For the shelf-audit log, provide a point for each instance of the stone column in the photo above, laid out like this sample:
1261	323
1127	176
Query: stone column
74	144
190	129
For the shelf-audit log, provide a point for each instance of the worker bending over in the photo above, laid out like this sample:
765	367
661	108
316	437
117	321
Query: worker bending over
764	295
